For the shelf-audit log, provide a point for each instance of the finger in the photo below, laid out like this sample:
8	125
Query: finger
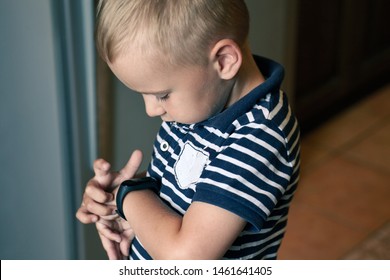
124	246
103	175
111	248
98	209
101	167
84	216
107	232
131	167
95	191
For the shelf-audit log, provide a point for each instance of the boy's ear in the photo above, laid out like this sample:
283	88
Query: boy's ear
226	57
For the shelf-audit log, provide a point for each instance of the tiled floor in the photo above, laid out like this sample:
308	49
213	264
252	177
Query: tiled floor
342	206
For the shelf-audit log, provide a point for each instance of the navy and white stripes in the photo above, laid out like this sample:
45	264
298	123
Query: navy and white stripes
245	160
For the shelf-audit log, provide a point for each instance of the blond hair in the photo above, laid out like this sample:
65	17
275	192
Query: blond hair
180	30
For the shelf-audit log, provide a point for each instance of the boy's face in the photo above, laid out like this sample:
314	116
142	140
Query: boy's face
182	94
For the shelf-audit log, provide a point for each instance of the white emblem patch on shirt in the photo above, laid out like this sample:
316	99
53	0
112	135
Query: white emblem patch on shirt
190	165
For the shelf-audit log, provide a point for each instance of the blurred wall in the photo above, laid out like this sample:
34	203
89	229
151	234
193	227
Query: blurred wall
34	218
47	127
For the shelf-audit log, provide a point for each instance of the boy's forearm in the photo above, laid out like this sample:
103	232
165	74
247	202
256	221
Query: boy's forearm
155	225
204	232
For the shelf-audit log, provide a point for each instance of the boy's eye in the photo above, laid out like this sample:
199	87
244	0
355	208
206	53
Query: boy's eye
163	97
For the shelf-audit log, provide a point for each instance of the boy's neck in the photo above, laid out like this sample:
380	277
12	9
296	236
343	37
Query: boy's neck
247	78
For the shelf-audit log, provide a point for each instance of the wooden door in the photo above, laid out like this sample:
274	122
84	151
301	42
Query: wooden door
342	54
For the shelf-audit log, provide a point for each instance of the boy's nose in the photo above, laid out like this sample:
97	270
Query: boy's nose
153	107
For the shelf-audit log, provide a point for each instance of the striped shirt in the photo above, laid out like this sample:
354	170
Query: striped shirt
245	160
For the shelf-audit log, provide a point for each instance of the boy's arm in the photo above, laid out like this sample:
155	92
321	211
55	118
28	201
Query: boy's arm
204	232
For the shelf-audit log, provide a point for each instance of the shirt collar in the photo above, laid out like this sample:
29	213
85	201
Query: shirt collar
273	73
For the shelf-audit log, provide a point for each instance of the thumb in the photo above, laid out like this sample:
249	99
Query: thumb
131	167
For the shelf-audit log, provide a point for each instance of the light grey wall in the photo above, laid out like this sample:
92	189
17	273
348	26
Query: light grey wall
268	28
47	128
133	129
273	33
34	211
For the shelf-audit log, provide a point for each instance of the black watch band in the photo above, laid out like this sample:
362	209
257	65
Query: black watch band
146	183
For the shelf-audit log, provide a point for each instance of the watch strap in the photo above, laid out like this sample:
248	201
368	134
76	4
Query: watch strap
136	184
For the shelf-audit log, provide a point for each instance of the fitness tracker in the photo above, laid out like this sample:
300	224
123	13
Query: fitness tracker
146	183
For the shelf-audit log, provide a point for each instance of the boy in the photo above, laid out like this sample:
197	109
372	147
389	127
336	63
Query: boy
227	155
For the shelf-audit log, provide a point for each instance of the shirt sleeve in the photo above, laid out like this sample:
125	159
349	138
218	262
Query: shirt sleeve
249	176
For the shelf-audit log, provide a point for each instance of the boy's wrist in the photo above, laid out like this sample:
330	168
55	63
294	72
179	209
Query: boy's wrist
146	183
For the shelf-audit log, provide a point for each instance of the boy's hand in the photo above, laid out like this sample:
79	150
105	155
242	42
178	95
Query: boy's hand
98	199
99	196
99	206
